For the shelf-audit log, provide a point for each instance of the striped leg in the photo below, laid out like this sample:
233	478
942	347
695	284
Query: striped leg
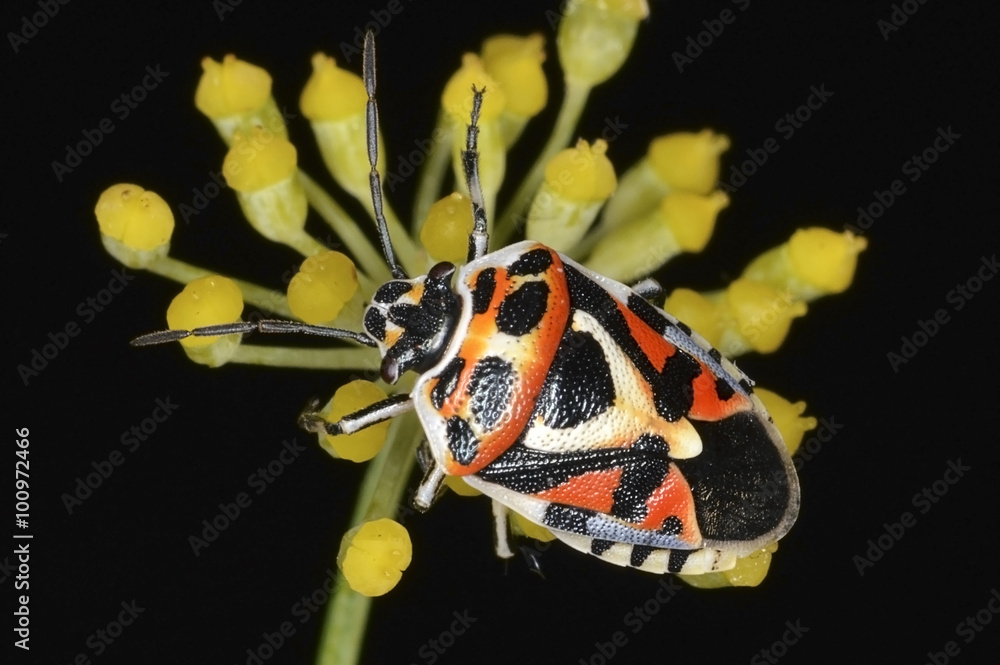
311	421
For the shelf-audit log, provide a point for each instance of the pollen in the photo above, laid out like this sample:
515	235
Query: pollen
139	219
365	444
203	302
377	553
324	283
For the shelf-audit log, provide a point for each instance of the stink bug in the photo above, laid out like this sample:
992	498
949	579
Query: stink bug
566	397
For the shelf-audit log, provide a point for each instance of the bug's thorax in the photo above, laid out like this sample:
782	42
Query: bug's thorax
412	320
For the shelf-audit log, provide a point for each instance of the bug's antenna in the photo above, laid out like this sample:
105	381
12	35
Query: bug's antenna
479	239
371	118
263	326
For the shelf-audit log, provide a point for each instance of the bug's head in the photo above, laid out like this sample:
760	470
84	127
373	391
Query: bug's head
413	320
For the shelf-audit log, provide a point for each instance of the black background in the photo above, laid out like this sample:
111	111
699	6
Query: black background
899	429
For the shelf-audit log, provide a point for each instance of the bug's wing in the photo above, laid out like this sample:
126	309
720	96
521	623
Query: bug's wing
644	436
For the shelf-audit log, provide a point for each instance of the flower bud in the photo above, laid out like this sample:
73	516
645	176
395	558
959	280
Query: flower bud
362	445
207	301
683	222
595	37
763	317
334	102
135	224
236	96
323	285
577	182
515	63
787	417
375	555
261	169
445	233
814	263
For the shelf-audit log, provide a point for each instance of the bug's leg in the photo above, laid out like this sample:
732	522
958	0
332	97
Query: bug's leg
432	485
479	239
311	421
501	530
649	289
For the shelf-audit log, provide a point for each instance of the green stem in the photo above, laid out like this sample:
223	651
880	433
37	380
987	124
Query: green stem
432	174
381	491
566	122
325	359
364	252
258	296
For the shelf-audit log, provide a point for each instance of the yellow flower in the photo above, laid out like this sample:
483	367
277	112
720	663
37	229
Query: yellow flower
360	446
136	225
375	556
236	96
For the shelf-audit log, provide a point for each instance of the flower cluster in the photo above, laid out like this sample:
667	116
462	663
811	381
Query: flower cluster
571	199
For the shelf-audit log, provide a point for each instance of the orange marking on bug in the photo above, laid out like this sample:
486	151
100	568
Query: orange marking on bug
707	405
673	498
652	343
541	345
593	490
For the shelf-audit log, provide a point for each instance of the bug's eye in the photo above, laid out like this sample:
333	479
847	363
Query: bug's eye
390	370
441	271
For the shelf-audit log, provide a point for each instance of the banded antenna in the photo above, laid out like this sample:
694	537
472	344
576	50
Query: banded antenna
374	181
479	239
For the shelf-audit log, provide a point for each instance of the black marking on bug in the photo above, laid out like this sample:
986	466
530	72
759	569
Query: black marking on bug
672	392
639	479
652	444
490	389
647	313
375	324
715	354
639	555
746	386
672	526
534	262
462	443
684	328
521	311
392	291
740	487
675	395
447	382
482	293
567	518
723	389
530	471
578	386
599	546
677	559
